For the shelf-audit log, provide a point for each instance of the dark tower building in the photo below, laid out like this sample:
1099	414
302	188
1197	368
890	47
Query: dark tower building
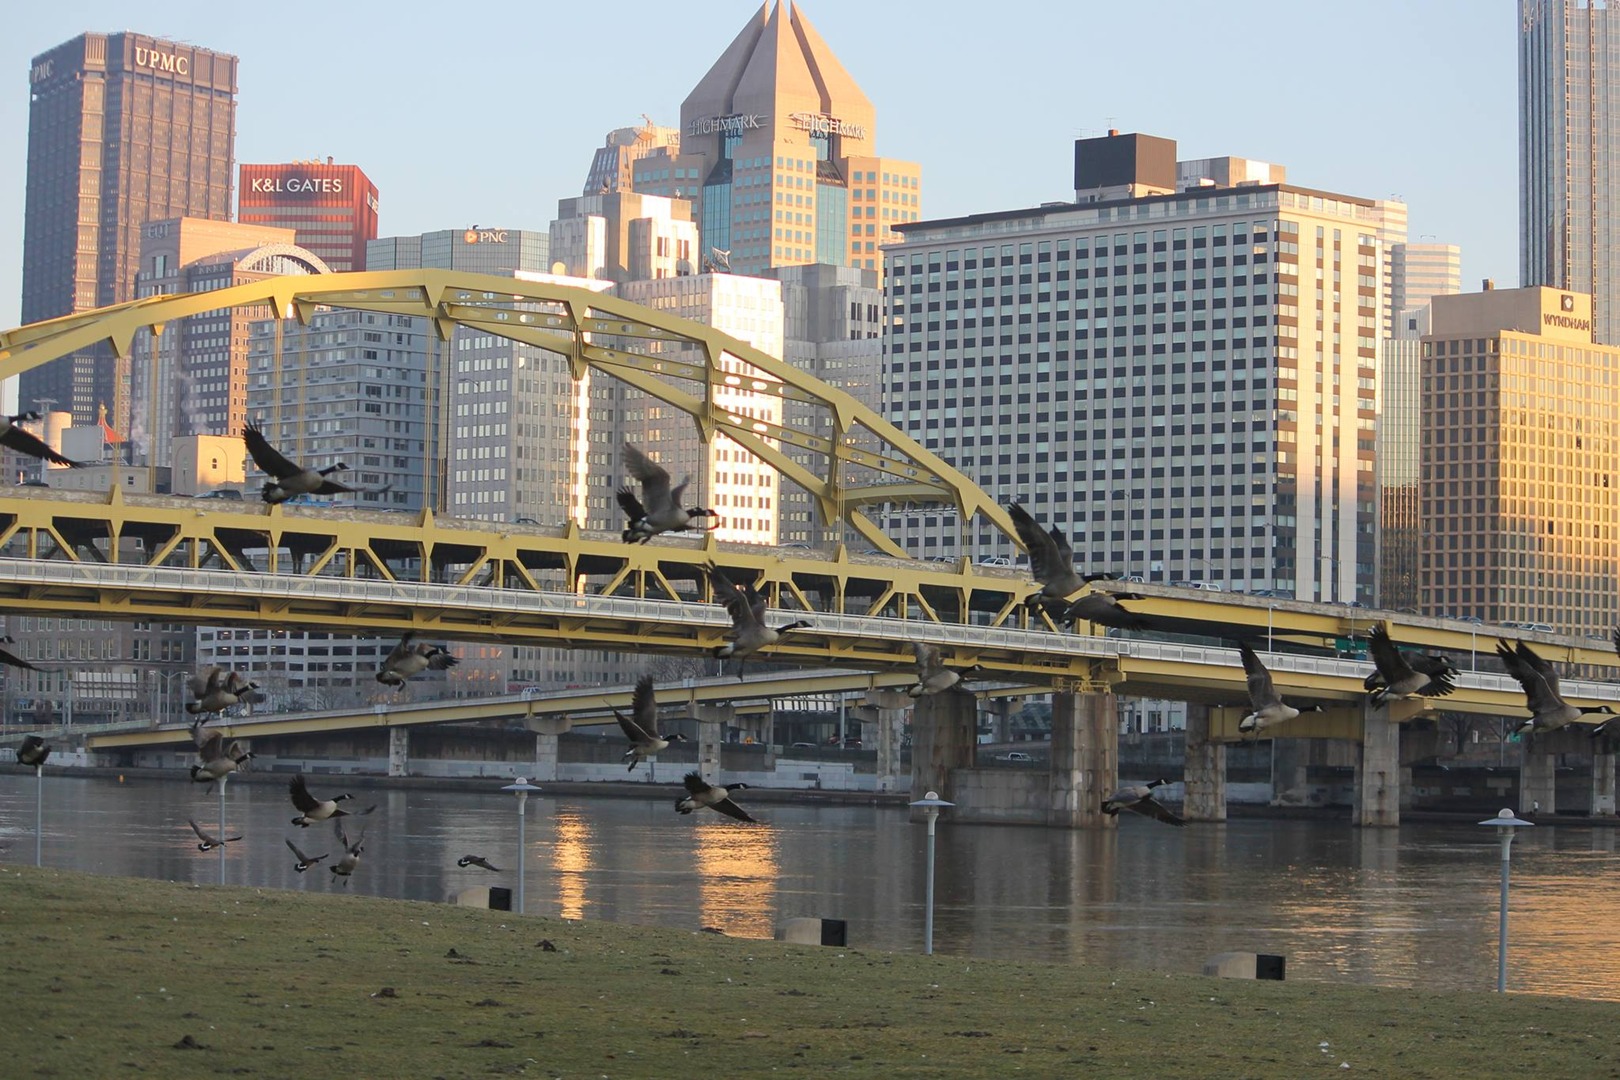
122	129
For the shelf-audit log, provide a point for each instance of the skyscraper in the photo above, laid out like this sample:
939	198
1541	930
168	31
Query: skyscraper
332	208
1569	151
778	151
122	129
1162	376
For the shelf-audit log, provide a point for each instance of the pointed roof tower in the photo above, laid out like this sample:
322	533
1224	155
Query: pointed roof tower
776	67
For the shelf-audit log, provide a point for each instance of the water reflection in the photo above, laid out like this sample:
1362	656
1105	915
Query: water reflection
571	860
1407	907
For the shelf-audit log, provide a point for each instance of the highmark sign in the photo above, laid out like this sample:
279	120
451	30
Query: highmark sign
724	125
818	124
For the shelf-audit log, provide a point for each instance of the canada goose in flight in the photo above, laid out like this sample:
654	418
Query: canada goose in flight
310	809
26	442
749	631
701	793
641	726
1138	798
287	480
1268	707
216	690
933	677
33	751
1548	710
1051	560
411	657
304	861
208	841
217	760
11	660
351	855
659	509
477	860
1398	675
1105	609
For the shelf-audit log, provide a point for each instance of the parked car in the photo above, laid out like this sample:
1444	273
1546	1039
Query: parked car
995	560
803	746
222	493
1202	586
1015	755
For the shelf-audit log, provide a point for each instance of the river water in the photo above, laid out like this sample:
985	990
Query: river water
1414	906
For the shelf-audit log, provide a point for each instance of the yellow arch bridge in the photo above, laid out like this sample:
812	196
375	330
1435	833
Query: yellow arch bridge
153	557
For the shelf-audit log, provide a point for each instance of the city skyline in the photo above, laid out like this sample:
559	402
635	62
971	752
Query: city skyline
1402	57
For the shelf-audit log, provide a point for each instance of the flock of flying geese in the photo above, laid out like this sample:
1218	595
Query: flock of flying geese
1397	674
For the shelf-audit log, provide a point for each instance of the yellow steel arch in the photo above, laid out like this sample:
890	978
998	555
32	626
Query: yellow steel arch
865	460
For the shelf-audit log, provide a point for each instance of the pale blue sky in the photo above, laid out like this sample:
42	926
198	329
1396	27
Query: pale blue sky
488	112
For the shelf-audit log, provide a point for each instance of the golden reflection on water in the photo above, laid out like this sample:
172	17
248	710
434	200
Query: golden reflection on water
737	870
571	860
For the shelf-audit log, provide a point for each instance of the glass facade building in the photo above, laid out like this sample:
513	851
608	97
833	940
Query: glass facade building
776	148
1569	151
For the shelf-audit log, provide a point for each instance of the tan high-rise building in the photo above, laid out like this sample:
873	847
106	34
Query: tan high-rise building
192	378
778	152
1521	497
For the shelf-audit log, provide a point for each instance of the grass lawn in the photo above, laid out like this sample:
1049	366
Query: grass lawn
109	977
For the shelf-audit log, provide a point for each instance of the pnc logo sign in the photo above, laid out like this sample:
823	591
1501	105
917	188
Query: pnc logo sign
484	236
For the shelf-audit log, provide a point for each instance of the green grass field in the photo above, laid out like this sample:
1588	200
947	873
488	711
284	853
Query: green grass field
110	977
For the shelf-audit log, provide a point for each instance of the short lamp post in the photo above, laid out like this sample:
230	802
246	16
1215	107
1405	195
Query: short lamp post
931	804
1505	822
521	788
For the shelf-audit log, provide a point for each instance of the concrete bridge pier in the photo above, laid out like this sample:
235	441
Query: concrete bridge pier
1085	759
399	751
711	728
546	731
757	726
942	740
1536	776
1602	783
1290	775
890	707
1378	769
1205	770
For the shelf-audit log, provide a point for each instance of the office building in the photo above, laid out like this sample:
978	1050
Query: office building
123	129
1184	382
332	209
352	386
192	378
1418	273
778	152
478	250
726	478
610	169
1520	497
1569	147
624	236
832	324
